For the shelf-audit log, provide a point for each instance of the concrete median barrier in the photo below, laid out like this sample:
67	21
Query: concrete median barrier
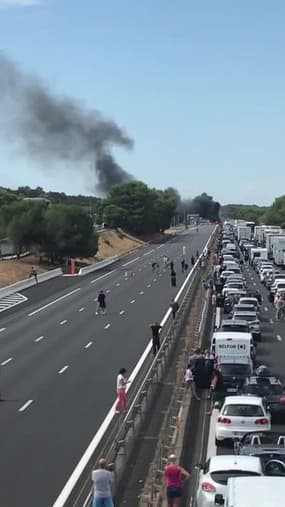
98	265
29	282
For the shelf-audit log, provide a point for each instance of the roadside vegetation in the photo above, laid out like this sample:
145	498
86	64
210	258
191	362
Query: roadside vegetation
271	215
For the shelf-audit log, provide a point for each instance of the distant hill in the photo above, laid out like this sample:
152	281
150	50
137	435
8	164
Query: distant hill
55	197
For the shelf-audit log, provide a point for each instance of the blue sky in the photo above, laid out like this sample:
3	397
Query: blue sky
199	86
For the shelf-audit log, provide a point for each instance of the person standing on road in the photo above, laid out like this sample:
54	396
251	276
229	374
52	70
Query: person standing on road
217	389
122	381
34	274
101	303
174	475
173	278
280	308
189	380
174	307
183	264
102	485
155	329
192	260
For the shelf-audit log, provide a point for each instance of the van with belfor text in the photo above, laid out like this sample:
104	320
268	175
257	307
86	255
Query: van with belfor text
262	491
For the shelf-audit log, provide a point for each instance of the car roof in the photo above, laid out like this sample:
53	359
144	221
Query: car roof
237	335
234	322
247	314
255	380
249	298
243	400
234	462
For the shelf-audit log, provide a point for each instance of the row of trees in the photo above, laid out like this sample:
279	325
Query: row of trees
57	231
271	215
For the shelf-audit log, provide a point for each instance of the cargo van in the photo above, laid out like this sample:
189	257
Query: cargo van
231	343
264	491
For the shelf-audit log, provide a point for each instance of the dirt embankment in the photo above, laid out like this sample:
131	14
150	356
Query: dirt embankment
111	243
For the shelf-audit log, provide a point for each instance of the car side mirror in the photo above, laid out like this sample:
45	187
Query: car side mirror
199	466
219	499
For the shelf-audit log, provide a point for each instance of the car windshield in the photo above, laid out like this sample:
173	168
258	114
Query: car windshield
235	327
243	410
249	302
263	389
233	370
248	318
222	476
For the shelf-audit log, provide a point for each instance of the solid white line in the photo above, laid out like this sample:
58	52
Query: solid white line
147	253
63	322
81	465
130	262
279	338
88	345
81	309
141	293
211	447
26	405
132	301
39	339
63	369
266	309
107	326
2	329
122	312
7	361
53	302
103	276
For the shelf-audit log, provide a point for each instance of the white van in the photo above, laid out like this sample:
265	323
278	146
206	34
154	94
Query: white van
231	343
264	491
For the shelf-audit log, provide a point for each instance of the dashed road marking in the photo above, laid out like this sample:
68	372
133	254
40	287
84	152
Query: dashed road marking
39	339
88	345
130	262
107	326
81	309
63	369
2	329
118	284
103	276
53	302
154	280
141	293
149	285
7	361
147	253
25	406
279	338
132	301
63	322
122	312
254	283
107	291
266	309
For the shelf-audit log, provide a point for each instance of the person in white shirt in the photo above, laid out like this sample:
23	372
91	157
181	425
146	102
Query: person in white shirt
121	403
102	486
189	380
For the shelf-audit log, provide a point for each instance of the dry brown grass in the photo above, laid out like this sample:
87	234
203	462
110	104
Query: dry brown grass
15	270
114	243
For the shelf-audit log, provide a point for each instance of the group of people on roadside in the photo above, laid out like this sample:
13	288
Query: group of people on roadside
279	303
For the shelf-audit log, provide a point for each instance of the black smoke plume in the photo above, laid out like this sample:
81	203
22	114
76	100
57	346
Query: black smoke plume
51	127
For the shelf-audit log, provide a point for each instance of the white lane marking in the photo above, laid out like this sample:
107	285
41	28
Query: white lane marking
107	326
2	329
107	291
7	361
122	312
130	262
88	345
132	301
149	285
147	253
81	309
279	338
266	309
141	293
26	405
118	284
254	283
63	322
39	339
63	369
140	269
211	447
160	246
53	302
160	274
271	321
103	276
89	452
155	280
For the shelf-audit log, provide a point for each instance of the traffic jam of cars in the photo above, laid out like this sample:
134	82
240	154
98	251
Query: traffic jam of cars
245	463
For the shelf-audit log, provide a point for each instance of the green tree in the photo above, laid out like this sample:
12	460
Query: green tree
114	216
275	214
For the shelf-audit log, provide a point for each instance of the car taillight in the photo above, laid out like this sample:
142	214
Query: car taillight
207	486
282	399
224	420
263	420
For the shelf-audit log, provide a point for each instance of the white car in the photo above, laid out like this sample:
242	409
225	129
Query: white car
217	470
240	415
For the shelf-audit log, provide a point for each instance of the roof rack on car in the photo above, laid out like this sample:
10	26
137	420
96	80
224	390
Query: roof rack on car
281	441
255	440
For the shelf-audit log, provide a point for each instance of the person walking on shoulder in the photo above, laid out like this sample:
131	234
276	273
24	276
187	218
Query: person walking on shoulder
189	380
122	381
102	485
174	475
174	307
101	303
155	329
34	274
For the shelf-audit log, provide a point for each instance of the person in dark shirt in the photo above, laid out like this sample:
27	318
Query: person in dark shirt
183	265
101	303
174	307
155	329
173	278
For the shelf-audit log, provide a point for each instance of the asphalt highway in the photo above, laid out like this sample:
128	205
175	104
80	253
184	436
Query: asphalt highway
59	364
